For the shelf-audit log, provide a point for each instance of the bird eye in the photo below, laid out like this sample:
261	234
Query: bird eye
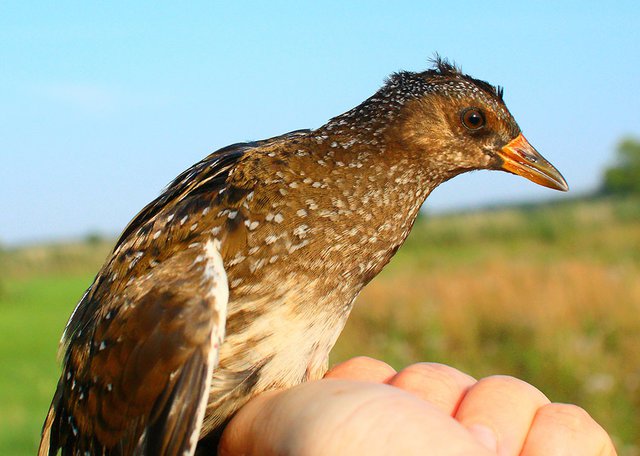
473	119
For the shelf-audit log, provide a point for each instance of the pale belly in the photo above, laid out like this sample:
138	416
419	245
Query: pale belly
278	349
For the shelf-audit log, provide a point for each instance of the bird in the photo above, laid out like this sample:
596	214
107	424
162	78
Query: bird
240	276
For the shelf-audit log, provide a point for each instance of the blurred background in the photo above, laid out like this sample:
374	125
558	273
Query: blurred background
103	104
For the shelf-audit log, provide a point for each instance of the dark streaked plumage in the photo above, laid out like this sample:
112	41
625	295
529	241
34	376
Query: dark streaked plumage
278	236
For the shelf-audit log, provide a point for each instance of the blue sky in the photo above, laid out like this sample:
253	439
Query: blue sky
102	104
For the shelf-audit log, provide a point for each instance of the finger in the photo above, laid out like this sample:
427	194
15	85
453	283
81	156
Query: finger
504	406
566	429
440	385
363	369
341	417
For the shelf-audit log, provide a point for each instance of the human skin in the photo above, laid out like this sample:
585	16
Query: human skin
363	406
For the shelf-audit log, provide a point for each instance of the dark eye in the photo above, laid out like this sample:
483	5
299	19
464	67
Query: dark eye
473	119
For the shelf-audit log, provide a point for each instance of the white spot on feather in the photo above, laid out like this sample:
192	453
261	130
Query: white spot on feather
270	239
301	231
239	258
295	247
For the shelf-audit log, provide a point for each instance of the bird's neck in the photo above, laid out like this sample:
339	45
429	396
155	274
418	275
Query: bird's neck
364	194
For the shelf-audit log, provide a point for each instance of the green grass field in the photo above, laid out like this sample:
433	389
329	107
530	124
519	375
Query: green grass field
548	293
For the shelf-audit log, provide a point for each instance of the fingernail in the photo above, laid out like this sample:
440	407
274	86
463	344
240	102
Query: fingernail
484	435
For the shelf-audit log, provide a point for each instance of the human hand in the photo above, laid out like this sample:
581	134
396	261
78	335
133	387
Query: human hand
363	406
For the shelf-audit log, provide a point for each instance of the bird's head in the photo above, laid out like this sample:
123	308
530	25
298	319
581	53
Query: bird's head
458	123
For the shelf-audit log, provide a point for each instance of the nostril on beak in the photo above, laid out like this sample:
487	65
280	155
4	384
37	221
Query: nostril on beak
528	157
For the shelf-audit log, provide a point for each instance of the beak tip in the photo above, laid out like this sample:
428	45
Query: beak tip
561	185
554	182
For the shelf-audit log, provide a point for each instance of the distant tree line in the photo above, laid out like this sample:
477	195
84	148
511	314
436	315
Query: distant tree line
623	177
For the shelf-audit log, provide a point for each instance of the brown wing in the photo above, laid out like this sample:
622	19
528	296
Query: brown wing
206	175
138	384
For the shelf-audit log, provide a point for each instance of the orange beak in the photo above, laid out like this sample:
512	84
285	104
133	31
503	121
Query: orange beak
519	157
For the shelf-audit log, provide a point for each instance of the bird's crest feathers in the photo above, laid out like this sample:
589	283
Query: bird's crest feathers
444	67
443	70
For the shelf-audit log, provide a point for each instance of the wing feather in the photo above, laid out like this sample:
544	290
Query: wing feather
143	386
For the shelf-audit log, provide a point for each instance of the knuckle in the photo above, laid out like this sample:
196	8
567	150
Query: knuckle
576	421
572	417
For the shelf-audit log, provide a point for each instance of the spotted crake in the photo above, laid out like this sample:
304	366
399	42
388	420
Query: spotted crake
240	276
